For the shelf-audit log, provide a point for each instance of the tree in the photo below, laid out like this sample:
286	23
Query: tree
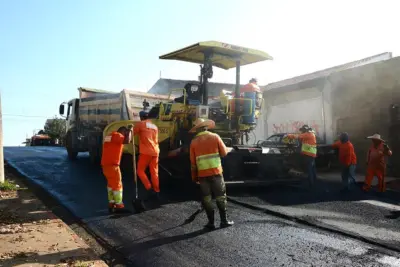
55	128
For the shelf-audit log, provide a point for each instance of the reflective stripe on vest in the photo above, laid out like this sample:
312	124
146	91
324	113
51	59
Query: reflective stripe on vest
310	149
209	161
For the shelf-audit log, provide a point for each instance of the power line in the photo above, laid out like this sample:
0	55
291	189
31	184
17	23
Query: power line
25	116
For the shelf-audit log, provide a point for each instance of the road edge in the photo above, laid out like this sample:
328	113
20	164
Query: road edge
108	253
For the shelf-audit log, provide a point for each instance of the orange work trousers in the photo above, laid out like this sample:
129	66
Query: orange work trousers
380	174
151	162
114	185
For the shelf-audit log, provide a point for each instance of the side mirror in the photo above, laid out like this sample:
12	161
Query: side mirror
61	109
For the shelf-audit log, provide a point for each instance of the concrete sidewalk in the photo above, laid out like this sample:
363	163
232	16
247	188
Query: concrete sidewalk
31	235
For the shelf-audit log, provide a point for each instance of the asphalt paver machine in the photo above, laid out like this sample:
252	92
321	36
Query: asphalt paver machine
235	117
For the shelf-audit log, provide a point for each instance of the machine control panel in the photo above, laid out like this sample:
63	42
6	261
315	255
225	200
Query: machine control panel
202	111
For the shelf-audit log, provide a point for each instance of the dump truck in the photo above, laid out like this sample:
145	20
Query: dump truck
88	116
235	118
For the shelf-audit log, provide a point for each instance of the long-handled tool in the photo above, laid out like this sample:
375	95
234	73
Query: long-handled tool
194	215
136	203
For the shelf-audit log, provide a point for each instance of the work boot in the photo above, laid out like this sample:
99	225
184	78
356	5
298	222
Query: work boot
222	213
120	209
211	218
224	220
150	194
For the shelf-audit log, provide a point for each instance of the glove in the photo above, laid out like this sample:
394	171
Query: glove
386	147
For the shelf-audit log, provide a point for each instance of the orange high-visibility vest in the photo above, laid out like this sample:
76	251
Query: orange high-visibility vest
206	151
308	143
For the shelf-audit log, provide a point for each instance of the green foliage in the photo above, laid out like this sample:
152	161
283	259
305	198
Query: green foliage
55	128
8	186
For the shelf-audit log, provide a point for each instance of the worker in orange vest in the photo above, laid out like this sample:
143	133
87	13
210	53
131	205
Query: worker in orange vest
206	150
348	160
148	152
308	151
252	86
376	165
110	160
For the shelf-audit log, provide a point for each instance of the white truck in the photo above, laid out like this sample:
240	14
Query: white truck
88	115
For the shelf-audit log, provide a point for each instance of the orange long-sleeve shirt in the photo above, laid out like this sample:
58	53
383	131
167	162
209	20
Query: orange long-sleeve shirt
206	150
112	149
376	157
347	155
148	137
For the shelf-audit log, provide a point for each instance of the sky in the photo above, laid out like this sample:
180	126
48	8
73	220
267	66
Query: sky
50	48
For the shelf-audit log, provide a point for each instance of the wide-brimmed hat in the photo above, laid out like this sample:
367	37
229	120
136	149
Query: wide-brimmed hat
376	137
305	128
202	123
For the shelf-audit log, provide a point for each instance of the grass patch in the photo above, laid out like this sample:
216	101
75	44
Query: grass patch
8	186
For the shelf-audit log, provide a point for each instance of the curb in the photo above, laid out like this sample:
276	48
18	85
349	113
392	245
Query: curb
317	225
37	187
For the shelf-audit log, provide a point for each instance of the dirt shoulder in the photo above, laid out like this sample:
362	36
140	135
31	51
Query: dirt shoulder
31	235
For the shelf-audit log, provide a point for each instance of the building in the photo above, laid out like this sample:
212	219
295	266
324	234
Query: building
291	103
355	97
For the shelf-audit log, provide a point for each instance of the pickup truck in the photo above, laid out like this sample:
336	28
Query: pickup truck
326	155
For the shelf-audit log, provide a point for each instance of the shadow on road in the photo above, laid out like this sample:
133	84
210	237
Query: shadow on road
146	245
299	194
393	215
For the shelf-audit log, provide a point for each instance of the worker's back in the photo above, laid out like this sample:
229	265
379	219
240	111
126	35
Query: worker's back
206	150
250	87
112	149
148	137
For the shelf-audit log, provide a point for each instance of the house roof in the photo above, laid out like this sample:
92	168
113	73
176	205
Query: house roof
164	86
327	72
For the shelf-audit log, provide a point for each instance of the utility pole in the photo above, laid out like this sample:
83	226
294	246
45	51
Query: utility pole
1	146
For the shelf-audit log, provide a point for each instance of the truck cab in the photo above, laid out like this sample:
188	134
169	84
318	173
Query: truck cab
71	114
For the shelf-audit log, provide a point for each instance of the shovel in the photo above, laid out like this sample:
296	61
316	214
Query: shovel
136	202
193	216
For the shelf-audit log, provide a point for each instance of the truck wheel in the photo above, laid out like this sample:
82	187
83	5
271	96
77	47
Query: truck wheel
71	153
94	155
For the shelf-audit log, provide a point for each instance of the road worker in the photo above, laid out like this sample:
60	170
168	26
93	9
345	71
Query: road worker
348	160
252	86
148	152
376	165
308	151
112	151
206	150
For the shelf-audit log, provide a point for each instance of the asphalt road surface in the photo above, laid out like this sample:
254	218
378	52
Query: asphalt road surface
158	237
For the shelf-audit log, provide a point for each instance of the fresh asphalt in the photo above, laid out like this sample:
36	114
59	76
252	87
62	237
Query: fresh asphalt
159	236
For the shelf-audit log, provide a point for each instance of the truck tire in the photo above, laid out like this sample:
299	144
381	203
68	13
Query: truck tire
68	144
72	155
94	155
